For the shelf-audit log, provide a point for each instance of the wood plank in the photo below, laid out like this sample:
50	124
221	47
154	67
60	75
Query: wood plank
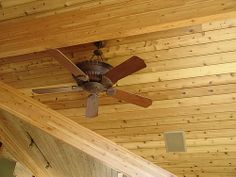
208	163
172	112
57	101
189	135
164	104
178	74
47	8
142	22
191	149
219	24
184	51
206	169
76	135
188	157
153	121
9	3
206	174
203	126
189	143
172	42
204	27
170	48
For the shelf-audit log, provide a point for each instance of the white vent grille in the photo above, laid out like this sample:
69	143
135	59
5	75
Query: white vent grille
175	141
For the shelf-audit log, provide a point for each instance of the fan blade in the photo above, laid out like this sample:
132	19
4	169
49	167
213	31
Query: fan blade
57	90
67	63
126	68
129	97
92	106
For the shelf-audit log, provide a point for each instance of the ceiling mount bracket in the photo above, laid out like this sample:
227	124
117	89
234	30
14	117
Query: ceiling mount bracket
98	52
100	44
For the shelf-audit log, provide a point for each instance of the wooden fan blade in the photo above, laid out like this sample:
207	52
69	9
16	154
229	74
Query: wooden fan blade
56	90
68	64
129	97
126	68
92	106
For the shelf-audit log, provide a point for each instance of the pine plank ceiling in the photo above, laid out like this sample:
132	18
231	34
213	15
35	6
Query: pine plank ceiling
190	75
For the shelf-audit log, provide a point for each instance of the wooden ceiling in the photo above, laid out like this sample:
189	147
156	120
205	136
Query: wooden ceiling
190	75
90	21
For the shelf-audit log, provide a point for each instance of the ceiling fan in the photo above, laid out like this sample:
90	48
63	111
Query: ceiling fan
96	76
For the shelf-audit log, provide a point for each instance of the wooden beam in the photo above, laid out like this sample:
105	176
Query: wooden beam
38	115
110	21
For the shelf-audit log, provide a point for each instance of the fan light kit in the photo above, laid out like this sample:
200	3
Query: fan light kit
96	76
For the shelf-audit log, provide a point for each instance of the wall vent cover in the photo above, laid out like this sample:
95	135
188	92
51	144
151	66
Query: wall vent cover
175	141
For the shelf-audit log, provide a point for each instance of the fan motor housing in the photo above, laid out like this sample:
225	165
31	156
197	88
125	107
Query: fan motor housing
95	70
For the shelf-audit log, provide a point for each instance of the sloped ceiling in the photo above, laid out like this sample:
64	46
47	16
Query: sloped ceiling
190	75
191	78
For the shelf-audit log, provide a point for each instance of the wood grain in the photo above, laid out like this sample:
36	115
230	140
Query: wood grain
190	76
37	34
81	138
